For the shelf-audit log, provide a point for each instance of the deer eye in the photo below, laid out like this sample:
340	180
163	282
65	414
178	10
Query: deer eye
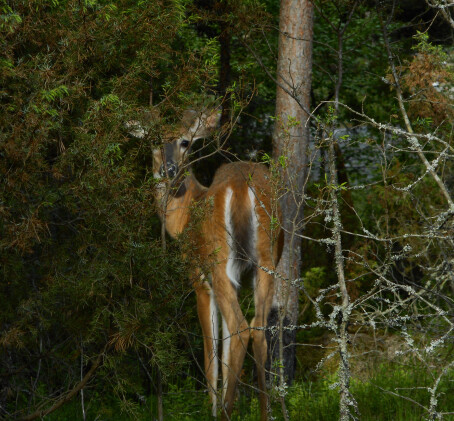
184	143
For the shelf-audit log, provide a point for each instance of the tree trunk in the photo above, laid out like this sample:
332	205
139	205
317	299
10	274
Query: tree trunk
291	139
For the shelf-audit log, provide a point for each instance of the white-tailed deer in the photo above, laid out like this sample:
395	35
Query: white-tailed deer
234	232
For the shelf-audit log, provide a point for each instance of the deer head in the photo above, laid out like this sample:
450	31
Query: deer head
172	155
169	160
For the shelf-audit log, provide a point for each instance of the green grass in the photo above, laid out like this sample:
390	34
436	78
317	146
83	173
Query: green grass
314	400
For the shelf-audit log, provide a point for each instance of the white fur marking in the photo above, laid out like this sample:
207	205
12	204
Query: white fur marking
230	267
214	358
225	357
255	226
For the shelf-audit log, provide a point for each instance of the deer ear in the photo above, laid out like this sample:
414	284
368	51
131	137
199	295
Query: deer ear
189	117
135	129
205	124
212	120
140	129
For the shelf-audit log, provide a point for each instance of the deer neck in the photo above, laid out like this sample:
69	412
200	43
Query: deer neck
176	214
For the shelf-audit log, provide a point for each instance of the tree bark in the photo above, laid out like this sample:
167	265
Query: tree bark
291	139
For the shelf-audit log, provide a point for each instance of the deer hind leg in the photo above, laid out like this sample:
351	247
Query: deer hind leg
208	317
225	357
263	297
235	337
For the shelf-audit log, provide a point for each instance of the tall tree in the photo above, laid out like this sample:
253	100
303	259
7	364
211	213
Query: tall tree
290	140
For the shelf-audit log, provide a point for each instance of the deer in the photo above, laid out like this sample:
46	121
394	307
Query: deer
235	234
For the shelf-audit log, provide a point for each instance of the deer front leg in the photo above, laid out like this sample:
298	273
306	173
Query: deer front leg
208	317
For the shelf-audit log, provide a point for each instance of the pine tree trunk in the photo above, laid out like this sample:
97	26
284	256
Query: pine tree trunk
291	139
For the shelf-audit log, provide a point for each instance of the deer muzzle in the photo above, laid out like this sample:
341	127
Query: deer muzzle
169	169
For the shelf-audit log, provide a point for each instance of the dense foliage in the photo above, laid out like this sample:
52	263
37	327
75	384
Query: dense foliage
83	272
